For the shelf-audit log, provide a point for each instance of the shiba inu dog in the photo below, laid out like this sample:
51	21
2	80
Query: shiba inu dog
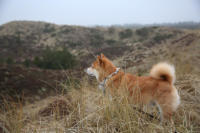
158	86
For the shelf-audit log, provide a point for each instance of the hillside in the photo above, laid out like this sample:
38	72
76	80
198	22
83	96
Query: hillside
39	100
24	39
31	37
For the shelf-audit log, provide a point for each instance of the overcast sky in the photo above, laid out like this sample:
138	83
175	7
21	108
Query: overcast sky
100	12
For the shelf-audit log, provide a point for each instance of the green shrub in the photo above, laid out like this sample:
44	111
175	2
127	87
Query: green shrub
48	28
2	60
96	39
53	34
159	37
36	61
111	30
125	34
54	59
27	62
9	61
143	32
66	30
111	42
74	44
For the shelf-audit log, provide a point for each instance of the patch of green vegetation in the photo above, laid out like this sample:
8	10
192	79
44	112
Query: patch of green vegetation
111	42
1	28
2	60
53	34
143	32
111	30
96	39
54	59
65	30
48	28
27	62
74	44
10	61
161	37
125	34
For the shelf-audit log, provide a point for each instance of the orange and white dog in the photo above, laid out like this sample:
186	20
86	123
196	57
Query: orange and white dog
158	87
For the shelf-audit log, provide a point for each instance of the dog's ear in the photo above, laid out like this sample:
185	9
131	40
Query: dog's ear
98	57
100	60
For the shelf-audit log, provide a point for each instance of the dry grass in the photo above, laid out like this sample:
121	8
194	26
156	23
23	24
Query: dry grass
87	110
90	111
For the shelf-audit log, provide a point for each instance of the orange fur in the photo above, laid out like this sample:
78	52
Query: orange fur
156	87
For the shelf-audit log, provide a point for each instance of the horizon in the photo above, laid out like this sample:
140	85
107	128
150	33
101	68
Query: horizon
126	24
101	13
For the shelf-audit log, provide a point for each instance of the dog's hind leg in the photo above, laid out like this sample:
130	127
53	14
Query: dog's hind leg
160	111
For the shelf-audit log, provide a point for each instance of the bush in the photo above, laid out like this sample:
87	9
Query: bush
159	38
125	34
48	28
27	62
9	61
111	30
2	60
74	44
53	59
96	39
111	42
144	32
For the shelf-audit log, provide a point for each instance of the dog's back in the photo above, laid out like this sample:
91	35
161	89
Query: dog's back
158	87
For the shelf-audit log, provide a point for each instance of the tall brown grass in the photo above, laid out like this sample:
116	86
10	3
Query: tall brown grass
91	111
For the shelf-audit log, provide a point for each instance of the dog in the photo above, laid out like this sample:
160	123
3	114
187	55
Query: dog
158	86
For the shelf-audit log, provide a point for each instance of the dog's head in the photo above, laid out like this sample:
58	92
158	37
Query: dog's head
101	68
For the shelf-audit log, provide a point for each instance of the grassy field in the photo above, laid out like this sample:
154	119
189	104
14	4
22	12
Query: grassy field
85	109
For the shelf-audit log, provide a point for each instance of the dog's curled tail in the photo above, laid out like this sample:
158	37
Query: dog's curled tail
163	71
